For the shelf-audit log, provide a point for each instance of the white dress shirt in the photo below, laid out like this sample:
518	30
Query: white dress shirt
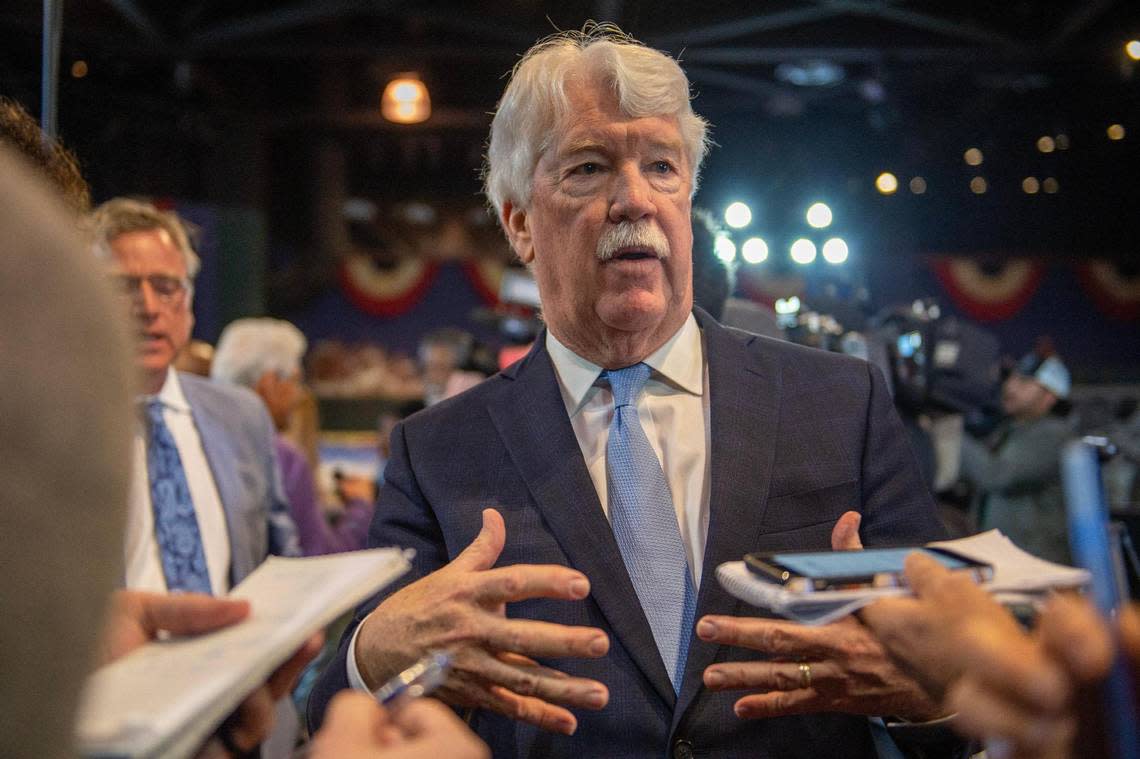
143	564
674	411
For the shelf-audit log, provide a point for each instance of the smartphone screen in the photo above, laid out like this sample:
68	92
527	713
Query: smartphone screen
838	564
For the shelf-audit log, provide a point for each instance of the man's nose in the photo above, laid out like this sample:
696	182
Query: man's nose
632	197
145	299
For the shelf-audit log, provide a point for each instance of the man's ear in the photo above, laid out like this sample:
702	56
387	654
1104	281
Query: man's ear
516	223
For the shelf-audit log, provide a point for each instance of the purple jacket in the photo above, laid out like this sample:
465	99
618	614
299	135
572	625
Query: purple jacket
316	535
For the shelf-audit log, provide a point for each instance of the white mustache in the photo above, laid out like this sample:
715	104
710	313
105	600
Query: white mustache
632	234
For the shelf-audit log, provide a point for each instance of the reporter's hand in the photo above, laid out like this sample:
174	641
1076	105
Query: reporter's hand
922	633
462	608
839	667
1032	694
356	726
349	489
137	617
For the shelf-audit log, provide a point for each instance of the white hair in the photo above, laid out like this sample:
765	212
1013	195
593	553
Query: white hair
119	216
646	82
248	348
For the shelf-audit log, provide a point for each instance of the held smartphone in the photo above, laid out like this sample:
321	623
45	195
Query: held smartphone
850	570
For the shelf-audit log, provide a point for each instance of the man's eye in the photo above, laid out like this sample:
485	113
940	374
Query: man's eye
662	167
587	168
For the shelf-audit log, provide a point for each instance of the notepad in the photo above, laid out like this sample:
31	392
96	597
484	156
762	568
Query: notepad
167	697
1015	572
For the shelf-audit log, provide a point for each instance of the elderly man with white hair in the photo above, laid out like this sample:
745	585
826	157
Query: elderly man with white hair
636	447
265	355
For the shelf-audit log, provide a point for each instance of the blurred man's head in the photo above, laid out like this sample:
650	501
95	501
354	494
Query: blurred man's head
154	264
20	132
65	406
1035	387
265	356
593	160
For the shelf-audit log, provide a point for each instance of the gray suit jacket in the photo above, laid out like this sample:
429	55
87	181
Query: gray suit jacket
798	437
237	437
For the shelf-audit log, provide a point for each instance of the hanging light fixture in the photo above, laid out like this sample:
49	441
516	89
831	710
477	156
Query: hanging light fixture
406	100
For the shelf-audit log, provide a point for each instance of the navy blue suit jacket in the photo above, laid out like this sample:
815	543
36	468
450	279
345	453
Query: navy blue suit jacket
798	437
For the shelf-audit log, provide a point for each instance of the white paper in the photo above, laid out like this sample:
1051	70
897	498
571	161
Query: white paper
168	696
1015	571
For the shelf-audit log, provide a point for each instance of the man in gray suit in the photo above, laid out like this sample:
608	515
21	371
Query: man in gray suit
637	446
205	505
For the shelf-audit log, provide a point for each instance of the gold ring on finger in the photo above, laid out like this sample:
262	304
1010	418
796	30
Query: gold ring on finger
805	675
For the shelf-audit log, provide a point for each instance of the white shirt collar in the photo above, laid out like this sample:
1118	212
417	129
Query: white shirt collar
680	362
171	393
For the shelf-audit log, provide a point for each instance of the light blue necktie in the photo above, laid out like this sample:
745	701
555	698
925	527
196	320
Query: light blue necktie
645	525
175	522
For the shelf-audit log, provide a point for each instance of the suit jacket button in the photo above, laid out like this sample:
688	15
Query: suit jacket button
682	749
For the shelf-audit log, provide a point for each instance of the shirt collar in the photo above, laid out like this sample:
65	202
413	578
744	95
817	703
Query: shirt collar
171	395
680	362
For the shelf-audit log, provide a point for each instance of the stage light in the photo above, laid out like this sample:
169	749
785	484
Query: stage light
1030	185
818	215
1116	132
978	185
787	305
886	183
918	185
973	156
1050	185
803	251
738	215
725	249
835	250
1046	144
1132	49
405	100
79	69
754	251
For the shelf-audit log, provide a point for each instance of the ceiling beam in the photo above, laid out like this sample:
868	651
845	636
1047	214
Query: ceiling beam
1083	14
301	14
726	30
774	55
927	22
141	21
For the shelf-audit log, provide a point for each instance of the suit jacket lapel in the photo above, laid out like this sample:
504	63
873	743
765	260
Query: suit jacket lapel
221	456
531	418
744	400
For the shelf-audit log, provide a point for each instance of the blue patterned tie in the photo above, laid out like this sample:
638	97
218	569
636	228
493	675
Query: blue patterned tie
645	525
175	523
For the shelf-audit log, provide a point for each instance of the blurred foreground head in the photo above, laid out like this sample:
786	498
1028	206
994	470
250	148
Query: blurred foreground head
67	383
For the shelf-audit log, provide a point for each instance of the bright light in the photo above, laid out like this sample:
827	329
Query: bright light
886	183
978	185
754	251
1116	132
918	185
973	156
819	215
803	251
1132	48
1046	144
406	100
738	215
835	250
1030	185
79	69
787	305
725	249
1050	185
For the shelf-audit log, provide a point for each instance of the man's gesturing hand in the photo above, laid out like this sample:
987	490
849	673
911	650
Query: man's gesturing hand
462	608
839	667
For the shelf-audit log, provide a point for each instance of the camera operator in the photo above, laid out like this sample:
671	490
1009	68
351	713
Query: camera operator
1015	471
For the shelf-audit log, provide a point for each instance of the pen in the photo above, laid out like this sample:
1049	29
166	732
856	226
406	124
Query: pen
420	679
417	680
